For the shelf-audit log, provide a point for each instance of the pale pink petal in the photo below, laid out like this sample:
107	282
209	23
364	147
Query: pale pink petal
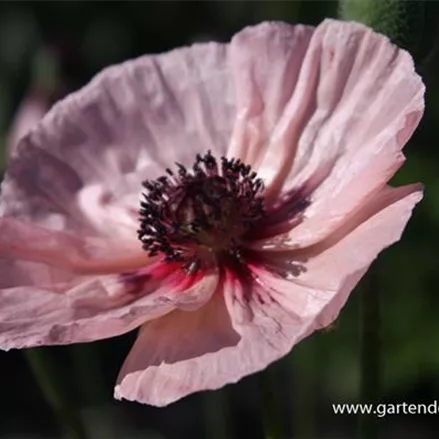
292	264
93	308
179	354
130	123
343	258
356	102
265	62
77	255
186	352
57	288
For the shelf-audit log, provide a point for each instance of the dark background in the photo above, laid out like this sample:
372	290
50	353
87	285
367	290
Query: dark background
56	47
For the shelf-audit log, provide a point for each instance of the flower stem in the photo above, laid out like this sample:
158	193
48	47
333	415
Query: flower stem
271	412
306	384
86	366
370	381
50	383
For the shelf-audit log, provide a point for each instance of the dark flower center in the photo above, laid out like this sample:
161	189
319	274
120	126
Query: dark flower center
207	210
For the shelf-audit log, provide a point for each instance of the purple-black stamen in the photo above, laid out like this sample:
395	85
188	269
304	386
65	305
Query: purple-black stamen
206	209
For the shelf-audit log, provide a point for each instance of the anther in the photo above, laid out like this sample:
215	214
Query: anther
205	208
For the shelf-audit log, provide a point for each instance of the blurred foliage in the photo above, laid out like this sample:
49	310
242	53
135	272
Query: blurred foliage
59	46
401	20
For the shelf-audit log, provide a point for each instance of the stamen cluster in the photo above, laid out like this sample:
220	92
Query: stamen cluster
206	208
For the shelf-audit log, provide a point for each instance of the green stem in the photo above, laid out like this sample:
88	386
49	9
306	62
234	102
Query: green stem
88	374
50	383
305	381
370	360
271	412
92	392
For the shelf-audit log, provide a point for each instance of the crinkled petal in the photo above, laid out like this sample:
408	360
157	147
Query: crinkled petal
353	102
53	250
97	307
130	123
341	260
245	327
289	99
179	354
265	62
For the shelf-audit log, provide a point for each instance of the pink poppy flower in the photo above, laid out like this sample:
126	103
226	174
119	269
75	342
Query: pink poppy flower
285	140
